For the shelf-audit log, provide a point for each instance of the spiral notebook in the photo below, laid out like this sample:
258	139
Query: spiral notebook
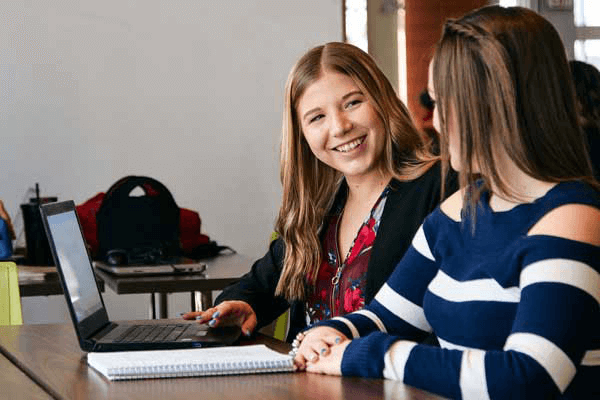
148	364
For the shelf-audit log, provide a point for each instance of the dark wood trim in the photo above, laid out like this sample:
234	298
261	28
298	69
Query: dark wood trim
344	35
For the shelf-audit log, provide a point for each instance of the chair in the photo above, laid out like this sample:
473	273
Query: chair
281	326
10	299
281	323
278	328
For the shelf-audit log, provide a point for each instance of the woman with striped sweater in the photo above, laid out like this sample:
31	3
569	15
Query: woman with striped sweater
506	271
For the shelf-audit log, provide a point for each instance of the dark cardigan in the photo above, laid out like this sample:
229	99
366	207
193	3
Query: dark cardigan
407	205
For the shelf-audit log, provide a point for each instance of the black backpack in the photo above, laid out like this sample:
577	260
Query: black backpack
143	227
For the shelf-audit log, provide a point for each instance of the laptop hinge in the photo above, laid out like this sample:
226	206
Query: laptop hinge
99	334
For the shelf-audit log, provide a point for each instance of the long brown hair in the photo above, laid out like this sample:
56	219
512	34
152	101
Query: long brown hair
309	185
503	72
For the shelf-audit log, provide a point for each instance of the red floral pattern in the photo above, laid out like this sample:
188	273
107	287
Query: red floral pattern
329	300
365	238
353	300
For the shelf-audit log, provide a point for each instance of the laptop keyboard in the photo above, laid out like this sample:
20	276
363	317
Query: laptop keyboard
153	333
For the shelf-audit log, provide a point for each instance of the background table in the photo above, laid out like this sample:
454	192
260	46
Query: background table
41	281
50	356
220	271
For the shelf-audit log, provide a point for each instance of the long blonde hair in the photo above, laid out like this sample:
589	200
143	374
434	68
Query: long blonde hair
504	73
309	185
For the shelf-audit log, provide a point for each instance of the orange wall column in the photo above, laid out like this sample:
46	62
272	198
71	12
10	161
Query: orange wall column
424	21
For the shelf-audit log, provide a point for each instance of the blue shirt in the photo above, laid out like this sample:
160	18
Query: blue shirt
5	241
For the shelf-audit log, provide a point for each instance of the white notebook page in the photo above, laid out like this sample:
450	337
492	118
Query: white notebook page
189	362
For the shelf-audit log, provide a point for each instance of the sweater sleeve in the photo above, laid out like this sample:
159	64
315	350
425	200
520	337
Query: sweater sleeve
257	287
555	326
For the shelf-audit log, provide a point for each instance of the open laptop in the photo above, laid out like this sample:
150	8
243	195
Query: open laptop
94	329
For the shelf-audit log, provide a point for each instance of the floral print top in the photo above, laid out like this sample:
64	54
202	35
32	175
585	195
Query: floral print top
341	285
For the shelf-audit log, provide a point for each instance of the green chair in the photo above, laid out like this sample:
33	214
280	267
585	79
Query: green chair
10	299
281	326
281	323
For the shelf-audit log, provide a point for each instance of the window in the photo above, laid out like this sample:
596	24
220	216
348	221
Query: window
402	72
355	23
587	13
515	3
587	31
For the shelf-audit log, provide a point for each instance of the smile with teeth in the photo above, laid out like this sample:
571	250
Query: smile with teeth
344	148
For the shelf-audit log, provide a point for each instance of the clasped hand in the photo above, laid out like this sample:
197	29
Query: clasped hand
320	350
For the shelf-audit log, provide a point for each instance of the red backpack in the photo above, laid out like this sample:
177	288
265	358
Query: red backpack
192	242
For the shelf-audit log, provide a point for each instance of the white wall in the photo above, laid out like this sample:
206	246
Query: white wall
186	91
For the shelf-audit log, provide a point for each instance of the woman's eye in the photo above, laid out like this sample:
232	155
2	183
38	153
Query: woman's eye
315	118
353	103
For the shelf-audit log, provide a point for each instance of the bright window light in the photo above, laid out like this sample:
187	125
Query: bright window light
587	12
356	23
588	51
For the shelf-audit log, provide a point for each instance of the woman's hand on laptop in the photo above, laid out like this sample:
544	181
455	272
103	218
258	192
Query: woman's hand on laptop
227	313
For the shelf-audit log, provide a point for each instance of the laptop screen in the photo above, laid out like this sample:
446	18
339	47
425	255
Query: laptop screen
75	264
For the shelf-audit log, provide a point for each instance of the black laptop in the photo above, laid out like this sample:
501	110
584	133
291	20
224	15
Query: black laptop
94	329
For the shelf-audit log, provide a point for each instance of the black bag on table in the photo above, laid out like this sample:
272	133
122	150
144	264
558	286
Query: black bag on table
143	227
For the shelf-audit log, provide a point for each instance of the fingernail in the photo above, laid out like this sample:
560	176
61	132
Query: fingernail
323	350
212	322
247	332
216	314
198	316
338	340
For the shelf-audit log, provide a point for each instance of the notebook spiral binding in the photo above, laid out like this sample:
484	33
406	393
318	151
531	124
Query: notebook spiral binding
189	370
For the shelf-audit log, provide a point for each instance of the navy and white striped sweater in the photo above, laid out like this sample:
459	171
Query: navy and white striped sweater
517	316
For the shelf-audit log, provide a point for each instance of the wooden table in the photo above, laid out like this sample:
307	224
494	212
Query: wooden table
50	356
16	385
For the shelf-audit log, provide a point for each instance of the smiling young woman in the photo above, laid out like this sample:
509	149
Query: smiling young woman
357	182
343	129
